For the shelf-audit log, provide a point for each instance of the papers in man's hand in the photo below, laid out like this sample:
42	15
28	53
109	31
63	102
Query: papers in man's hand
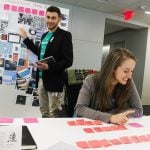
62	146
47	59
10	137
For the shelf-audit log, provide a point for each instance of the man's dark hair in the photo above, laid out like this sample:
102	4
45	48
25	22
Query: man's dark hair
54	9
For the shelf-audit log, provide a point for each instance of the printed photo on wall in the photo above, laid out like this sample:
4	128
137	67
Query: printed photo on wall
38	22
35	101
3	26
11	74
14	38
5	48
32	31
64	17
10	65
4	37
25	19
32	58
35	98
21	99
1	78
16	48
29	90
1	71
39	32
7	80
32	83
21	84
2	62
35	92
23	72
21	62
15	57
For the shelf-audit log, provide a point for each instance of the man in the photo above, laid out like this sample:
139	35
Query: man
57	43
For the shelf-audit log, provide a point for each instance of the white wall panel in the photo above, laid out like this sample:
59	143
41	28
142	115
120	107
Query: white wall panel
146	80
87	24
87	55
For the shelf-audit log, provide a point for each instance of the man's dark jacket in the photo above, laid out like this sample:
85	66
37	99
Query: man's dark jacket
61	48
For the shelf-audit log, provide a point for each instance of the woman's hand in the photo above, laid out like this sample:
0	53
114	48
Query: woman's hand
121	118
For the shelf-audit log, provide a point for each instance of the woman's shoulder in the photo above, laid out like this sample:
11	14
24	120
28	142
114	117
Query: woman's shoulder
90	76
89	80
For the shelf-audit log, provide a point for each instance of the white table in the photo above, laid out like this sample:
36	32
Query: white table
52	130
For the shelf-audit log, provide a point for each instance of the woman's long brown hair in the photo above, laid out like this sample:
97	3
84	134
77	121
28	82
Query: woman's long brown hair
103	91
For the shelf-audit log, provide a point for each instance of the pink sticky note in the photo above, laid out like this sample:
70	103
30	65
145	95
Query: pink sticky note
14	8
115	141
82	144
136	125
119	127
114	128
89	123
135	139
41	12
21	9
80	122
88	130
107	128
104	143
34	11
6	6
148	137
97	122
94	143
71	123
143	138
27	10
98	129
30	120
125	140
6	120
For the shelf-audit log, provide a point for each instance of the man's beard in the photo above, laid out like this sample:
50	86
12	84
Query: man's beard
54	27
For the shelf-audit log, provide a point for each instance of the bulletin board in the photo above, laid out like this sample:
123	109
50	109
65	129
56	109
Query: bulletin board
17	63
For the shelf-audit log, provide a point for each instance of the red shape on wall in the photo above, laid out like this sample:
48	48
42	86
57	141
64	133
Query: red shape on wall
128	15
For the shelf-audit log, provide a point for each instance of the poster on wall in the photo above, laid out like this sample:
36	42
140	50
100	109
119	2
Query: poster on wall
17	63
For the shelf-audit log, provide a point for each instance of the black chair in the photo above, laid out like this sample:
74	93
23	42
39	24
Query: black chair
71	95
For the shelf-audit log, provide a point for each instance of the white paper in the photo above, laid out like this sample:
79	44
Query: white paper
13	25
62	146
14	38
10	137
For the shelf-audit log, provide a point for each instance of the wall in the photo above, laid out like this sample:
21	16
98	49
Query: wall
146	80
136	41
87	38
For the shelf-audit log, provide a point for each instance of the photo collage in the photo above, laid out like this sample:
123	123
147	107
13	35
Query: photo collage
17	63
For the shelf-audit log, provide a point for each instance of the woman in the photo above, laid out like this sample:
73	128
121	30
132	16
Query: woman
110	95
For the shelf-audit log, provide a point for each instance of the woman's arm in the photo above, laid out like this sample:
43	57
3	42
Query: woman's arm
83	108
135	102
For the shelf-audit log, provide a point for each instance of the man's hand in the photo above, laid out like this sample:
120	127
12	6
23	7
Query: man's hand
22	32
42	66
121	118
